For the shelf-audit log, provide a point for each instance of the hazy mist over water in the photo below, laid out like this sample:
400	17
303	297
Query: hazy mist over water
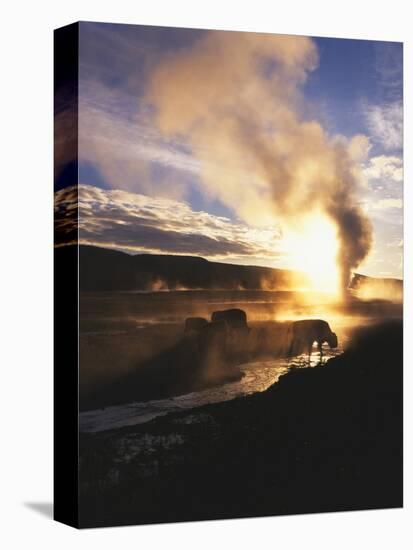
126	311
120	328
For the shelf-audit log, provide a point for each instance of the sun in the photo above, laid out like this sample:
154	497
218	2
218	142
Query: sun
312	248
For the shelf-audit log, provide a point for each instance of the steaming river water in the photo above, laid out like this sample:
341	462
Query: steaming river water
258	376
107	318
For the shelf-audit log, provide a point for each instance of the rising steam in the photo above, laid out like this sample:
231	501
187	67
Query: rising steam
235	99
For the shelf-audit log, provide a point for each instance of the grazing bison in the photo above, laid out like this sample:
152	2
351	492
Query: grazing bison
235	318
305	333
195	324
238	333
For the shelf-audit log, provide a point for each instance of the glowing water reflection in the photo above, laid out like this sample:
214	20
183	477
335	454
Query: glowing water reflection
258	376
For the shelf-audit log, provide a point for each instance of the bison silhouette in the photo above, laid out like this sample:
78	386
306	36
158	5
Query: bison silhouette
304	333
195	324
235	318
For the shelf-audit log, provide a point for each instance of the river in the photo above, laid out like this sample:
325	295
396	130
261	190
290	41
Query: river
258	376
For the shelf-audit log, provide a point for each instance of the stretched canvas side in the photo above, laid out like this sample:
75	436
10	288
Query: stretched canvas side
66	403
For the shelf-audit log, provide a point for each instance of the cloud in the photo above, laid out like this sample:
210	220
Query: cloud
386	213
137	223
65	136
125	147
117	136
225	113
383	199
384	204
385	123
389	69
385	167
398	243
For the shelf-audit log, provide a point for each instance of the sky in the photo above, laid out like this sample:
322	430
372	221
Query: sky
209	143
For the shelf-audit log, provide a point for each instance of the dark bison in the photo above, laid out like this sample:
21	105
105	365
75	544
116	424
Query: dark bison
235	318
195	324
212	342
305	333
216	331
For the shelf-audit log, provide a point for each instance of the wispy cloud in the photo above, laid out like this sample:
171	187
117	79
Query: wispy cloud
384	204
389	69
385	167
385	124
126	148
137	223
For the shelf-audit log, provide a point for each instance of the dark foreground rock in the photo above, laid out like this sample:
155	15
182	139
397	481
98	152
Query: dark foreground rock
322	439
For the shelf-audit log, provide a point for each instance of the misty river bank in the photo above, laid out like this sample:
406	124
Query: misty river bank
321	439
254	377
133	347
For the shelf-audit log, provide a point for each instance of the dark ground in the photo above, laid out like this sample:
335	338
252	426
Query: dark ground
323	439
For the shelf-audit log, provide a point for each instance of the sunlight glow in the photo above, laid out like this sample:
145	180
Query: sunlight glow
312	248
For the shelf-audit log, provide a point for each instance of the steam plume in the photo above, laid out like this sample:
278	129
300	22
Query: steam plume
235	99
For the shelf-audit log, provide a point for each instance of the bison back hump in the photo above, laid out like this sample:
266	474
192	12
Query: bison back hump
235	318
